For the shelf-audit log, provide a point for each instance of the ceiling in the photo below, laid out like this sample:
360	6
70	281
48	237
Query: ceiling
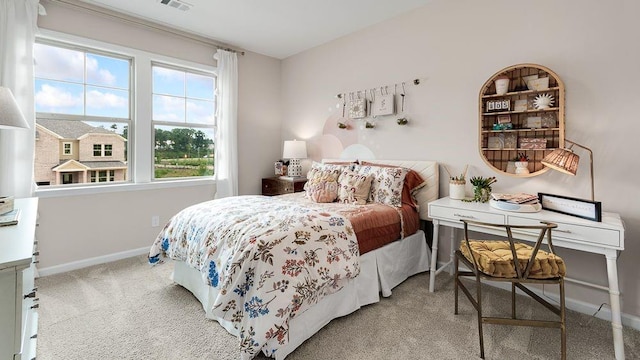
277	28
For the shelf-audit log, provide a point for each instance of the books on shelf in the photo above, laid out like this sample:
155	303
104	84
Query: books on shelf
10	218
519	198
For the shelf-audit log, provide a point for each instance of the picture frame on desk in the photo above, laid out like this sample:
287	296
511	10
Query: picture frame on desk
586	209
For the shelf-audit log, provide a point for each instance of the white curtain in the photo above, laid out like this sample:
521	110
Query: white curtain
226	146
18	26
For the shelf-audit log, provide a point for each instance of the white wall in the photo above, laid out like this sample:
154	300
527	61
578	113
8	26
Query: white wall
454	47
75	228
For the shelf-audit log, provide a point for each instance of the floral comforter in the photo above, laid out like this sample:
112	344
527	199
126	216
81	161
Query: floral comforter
269	258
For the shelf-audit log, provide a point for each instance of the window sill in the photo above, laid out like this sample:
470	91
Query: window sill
122	187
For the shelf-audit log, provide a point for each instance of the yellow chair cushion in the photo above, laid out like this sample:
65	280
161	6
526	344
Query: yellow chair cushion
494	258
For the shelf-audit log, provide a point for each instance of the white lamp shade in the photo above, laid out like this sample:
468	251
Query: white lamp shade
294	149
10	114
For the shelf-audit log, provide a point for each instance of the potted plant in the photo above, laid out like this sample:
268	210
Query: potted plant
481	188
522	164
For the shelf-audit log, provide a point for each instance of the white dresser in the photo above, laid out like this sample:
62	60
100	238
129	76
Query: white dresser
18	302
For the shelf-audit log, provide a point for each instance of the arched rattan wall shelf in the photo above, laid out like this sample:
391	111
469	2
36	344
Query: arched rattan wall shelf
511	124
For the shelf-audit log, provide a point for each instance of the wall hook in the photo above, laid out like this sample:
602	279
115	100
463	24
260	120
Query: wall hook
416	82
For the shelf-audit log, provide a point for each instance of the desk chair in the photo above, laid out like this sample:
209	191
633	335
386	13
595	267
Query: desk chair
493	260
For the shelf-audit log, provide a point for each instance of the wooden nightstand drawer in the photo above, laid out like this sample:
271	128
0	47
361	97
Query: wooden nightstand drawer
277	186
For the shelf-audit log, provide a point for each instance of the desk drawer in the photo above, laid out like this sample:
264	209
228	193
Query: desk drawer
447	213
579	233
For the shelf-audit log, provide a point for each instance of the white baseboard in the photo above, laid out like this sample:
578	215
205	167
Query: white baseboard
580	306
57	269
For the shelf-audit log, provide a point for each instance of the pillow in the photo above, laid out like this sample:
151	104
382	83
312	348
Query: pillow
353	188
413	182
386	185
321	185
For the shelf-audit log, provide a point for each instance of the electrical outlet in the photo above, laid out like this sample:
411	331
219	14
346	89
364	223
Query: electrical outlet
155	221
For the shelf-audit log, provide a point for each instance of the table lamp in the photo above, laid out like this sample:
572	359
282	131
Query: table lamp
566	161
294	151
10	118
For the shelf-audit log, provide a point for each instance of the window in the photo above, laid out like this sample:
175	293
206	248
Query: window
90	90
97	150
183	116
102	150
82	95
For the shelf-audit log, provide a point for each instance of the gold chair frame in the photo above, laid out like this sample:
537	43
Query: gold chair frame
517	282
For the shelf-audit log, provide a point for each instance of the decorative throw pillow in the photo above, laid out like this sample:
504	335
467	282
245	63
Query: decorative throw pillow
413	183
353	188
386	185
321	185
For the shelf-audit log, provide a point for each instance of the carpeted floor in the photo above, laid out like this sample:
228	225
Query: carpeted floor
129	310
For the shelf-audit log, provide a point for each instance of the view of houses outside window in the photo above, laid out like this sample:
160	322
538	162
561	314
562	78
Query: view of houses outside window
83	114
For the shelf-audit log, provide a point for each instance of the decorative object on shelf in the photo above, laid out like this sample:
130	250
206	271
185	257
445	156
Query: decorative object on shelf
481	188
538	84
533	143
510	140
498	105
521	163
543	101
495	142
357	106
527	80
502	84
457	184
520	105
534	122
566	161
294	151
549	120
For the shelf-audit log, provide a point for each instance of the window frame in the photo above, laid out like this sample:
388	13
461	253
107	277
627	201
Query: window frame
64	148
140	132
183	124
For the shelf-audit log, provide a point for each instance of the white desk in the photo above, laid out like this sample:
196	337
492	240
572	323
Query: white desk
605	238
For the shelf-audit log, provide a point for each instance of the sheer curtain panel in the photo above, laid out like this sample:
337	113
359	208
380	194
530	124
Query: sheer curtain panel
18	26
226	146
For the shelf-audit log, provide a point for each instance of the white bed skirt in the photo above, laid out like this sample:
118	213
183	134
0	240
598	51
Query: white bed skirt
381	270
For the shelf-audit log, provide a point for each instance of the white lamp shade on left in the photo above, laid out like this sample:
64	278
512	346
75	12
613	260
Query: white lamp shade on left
10	115
294	151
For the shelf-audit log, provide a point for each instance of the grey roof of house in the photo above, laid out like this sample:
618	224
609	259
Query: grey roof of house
71	129
94	165
103	164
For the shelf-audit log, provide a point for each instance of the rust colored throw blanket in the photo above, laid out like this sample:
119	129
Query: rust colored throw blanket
375	225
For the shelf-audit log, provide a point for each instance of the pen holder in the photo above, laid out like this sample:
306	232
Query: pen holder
456	189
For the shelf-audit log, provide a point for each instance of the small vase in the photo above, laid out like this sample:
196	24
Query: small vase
481	194
456	189
522	167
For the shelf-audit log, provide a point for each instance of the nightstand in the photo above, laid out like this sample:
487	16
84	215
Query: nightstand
277	186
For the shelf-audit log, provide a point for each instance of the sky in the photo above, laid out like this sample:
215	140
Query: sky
61	87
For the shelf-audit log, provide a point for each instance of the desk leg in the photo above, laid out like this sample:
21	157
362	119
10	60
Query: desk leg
434	256
452	253
614	298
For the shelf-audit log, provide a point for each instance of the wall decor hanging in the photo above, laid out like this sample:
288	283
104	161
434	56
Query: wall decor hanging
402	119
357	106
383	104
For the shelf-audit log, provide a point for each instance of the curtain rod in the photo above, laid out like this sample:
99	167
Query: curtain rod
134	20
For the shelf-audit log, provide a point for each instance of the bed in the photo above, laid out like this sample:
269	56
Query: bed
355	279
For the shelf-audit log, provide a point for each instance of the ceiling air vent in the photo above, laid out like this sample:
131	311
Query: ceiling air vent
178	4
